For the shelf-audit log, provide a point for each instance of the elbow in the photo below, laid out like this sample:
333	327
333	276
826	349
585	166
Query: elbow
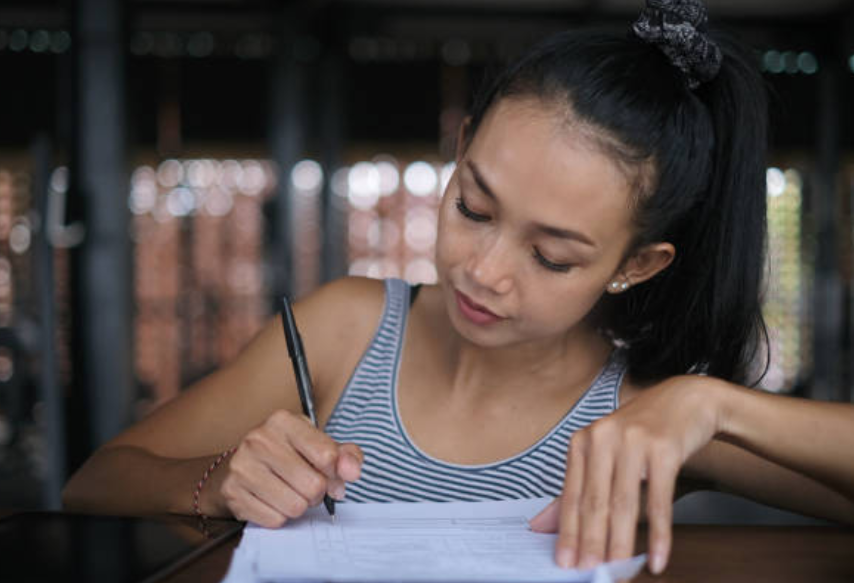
73	494
68	497
86	490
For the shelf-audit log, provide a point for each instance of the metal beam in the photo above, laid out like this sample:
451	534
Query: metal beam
49	390
287	141
828	300
103	388
333	207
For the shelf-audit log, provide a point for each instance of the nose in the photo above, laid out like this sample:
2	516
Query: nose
490	265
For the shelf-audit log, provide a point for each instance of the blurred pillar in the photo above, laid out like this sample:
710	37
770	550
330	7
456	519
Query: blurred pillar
102	387
827	339
333	208
287	139
49	390
846	96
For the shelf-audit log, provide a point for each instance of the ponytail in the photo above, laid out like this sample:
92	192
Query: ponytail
703	314
706	144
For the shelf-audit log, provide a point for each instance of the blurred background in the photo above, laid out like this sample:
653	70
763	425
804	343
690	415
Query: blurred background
169	168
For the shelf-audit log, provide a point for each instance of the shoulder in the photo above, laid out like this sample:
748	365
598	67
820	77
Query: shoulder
337	322
344	302
334	321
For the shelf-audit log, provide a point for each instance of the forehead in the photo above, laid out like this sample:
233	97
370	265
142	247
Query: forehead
536	158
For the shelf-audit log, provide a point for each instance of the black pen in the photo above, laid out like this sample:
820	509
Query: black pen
297	353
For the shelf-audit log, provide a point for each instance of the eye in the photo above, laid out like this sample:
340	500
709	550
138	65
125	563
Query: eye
468	213
550	265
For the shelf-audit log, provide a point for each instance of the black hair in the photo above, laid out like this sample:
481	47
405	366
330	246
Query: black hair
705	192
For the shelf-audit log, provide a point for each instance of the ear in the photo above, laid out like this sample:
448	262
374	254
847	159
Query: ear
463	138
646	262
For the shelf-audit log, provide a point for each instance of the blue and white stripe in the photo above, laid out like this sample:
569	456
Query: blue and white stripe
396	470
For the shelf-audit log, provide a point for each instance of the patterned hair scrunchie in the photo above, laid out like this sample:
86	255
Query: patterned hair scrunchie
677	28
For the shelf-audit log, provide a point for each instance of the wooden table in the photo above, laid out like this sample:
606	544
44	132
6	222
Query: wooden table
758	554
701	554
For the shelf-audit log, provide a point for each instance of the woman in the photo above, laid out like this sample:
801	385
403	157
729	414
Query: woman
600	251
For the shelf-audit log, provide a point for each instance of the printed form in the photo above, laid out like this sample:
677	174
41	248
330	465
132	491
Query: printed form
418	542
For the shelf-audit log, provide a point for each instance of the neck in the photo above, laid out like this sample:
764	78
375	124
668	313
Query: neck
541	367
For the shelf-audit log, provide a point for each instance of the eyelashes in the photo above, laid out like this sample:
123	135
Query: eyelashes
468	213
539	257
551	265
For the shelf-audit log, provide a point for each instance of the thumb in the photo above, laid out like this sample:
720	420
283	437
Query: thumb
350	459
547	521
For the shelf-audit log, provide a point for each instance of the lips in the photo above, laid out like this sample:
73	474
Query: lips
474	312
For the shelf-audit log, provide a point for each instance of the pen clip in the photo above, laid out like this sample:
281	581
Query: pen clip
291	331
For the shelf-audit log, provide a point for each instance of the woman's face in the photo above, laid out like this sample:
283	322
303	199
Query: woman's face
533	226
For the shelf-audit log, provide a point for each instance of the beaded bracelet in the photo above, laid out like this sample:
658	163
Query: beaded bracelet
198	491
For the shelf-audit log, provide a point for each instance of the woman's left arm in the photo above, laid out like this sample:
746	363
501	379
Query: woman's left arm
767	447
813	438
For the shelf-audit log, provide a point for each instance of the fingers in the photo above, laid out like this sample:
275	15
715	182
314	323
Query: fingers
320	450
595	505
566	551
548	520
252	509
254	492
350	458
602	498
625	505
335	461
285	466
348	467
265	452
662	483
336	489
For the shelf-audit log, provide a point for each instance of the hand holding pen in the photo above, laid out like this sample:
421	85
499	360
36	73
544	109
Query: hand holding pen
303	377
287	464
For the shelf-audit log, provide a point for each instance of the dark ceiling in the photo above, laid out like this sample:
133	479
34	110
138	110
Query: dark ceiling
213	58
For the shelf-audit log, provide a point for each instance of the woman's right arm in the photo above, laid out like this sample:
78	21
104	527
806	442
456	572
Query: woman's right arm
282	463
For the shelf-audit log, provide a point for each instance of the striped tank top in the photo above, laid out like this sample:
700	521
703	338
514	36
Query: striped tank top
396	470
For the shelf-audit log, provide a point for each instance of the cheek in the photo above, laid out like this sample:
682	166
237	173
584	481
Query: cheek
441	238
564	305
450	240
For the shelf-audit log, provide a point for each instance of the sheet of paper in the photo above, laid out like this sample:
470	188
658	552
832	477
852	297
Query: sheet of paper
442	542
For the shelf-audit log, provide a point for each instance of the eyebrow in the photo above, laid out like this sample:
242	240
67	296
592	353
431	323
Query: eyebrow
546	229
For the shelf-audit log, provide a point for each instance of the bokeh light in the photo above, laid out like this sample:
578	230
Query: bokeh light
392	222
363	183
785	297
776	181
307	175
420	178
389	177
199	270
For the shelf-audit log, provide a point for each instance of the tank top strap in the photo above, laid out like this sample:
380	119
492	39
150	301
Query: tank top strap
375	374
396	308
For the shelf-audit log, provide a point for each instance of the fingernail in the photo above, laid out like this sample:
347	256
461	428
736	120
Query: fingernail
588	562
338	491
656	563
565	558
353	462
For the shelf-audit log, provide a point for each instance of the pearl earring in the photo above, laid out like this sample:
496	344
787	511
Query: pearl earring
617	286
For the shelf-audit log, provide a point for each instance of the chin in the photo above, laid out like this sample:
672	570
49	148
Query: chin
482	338
497	335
